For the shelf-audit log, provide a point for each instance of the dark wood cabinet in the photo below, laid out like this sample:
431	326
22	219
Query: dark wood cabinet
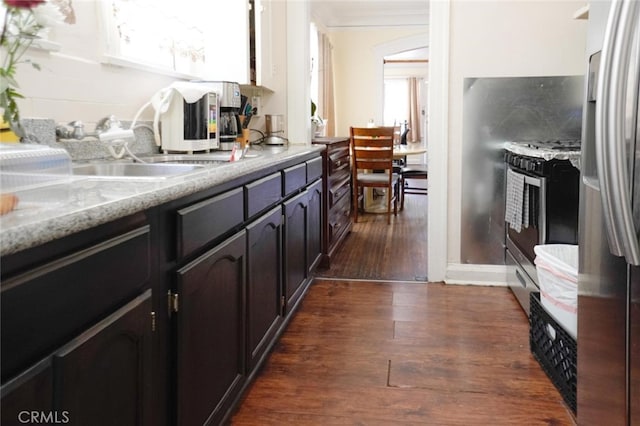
31	390
295	248
162	317
210	336
302	241
336	205
314	225
76	324
48	305
103	377
264	283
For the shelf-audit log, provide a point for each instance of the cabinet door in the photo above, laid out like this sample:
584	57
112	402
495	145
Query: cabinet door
71	294
103	376
210	332
30	391
264	284
295	248
314	224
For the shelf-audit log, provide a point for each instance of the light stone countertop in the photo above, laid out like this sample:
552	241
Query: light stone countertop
78	203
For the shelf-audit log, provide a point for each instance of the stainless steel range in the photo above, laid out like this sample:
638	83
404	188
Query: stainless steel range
541	206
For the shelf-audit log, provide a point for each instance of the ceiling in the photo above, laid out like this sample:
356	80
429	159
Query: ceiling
336	14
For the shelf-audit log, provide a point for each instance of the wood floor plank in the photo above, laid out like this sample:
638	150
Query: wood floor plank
375	353
377	251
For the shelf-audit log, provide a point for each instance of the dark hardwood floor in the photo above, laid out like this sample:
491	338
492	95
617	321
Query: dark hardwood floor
377	251
402	353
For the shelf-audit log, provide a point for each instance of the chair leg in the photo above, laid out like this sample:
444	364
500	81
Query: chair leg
389	208
402	191
395	204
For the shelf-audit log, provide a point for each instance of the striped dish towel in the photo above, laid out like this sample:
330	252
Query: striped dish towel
514	199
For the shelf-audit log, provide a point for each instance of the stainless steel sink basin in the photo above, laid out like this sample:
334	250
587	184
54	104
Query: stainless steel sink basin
208	159
134	170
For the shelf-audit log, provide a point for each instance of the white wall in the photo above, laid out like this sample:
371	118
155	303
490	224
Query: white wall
496	39
356	73
75	84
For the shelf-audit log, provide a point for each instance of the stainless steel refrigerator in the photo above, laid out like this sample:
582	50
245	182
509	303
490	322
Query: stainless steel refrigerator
609	276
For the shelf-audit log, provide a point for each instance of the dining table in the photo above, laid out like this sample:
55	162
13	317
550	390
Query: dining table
401	151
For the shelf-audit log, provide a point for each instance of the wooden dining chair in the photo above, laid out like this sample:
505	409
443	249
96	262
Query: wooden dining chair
372	166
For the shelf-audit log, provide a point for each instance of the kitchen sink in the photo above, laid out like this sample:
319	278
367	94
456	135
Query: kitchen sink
114	170
207	159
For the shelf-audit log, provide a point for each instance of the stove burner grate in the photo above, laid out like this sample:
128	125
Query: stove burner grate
556	144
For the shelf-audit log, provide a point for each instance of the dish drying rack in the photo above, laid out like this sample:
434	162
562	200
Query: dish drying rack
25	165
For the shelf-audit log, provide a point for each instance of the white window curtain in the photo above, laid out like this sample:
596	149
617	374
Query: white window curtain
402	103
415	110
326	99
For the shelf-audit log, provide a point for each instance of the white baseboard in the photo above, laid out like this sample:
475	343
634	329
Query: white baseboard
487	275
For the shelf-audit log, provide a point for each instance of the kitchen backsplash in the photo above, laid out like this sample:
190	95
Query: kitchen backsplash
43	131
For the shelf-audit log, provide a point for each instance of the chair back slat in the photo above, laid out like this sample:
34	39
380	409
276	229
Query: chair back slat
372	147
372	162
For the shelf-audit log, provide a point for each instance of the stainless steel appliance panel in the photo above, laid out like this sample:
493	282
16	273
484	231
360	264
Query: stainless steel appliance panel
496	110
602	296
609	285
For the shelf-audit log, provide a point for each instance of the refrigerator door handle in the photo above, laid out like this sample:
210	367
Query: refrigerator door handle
612	163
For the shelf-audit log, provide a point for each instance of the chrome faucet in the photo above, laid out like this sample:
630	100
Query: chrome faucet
108	129
75	132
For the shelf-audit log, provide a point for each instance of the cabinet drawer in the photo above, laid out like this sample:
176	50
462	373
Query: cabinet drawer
314	169
339	159
338	192
294	178
339	219
207	220
262	194
50	304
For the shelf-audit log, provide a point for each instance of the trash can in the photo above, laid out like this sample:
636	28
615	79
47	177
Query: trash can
557	268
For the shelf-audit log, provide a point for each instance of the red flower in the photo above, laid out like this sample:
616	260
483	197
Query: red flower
23	4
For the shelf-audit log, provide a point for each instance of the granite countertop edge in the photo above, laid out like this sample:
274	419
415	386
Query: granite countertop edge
17	235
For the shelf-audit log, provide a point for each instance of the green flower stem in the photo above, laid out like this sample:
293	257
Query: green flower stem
15	45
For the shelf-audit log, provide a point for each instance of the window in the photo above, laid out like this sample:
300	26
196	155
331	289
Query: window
162	34
315	62
396	101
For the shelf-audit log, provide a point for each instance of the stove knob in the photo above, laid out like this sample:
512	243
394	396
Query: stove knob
518	161
534	165
531	164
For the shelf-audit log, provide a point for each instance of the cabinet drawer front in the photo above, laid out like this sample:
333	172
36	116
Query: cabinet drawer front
338	192
339	160
339	218
294	178
47	306
207	220
262	194
314	169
